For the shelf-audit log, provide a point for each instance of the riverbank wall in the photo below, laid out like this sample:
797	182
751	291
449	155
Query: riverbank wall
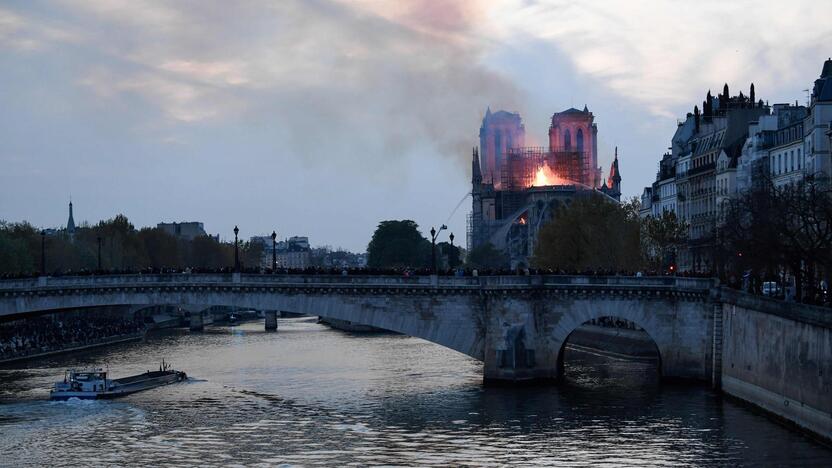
778	357
97	344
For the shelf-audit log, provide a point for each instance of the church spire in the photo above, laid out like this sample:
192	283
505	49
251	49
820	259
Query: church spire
614	181
70	223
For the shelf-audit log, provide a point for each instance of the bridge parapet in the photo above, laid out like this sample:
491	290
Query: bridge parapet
467	282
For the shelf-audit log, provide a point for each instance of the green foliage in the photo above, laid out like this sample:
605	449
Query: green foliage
398	244
160	248
251	254
15	255
487	256
206	252
661	236
591	233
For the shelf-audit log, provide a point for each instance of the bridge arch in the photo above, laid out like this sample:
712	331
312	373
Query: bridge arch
678	328
562	350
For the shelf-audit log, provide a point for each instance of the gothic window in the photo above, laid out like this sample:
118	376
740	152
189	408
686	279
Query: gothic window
579	140
567	140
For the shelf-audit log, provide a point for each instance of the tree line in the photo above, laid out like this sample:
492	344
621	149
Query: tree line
589	233
123	247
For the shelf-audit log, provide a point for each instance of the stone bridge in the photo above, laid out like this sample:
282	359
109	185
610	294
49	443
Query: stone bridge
772	354
516	325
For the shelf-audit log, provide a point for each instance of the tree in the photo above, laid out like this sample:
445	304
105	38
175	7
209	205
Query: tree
779	230
207	252
398	244
487	256
160	248
15	256
251	254
591	233
661	236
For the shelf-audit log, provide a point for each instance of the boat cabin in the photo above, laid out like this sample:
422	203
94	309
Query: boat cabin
84	380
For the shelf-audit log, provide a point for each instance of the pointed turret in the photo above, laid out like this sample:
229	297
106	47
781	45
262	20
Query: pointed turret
751	95
586	109
476	171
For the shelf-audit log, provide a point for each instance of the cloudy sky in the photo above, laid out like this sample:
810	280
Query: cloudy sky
321	118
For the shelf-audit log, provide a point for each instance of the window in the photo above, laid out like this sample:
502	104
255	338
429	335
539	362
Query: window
791	157
567	140
579	140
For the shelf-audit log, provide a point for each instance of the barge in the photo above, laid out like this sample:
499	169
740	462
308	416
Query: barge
94	384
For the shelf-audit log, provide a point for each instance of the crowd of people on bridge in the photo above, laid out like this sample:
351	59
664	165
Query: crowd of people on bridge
54	332
403	271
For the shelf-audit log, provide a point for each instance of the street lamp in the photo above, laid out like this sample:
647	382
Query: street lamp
236	251
433	235
43	252
274	251
453	252
99	252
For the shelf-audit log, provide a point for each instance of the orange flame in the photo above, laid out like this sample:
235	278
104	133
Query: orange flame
545	176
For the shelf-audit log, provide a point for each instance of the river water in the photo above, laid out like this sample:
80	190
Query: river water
309	395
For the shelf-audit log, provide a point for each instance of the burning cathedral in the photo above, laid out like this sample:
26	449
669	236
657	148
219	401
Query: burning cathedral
516	189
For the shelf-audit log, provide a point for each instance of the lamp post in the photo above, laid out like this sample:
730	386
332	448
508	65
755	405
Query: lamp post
453	252
99	252
236	250
433	235
43	252
274	252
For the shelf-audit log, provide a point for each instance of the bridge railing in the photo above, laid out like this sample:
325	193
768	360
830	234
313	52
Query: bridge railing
364	280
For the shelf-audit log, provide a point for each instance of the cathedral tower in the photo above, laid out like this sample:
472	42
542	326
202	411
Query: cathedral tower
500	131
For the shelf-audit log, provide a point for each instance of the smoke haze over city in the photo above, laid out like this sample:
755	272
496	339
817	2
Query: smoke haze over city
322	118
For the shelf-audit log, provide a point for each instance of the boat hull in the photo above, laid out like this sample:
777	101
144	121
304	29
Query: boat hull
122	387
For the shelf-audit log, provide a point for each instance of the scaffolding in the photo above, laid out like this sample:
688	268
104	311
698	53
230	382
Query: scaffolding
521	165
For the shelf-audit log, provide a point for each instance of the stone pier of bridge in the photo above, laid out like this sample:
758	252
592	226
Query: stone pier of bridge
271	320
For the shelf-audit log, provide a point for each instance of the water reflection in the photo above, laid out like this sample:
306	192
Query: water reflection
308	395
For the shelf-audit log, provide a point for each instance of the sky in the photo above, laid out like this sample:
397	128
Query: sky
321	118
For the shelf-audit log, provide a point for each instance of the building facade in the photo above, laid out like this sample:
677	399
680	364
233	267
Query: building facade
294	253
736	144
186	230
